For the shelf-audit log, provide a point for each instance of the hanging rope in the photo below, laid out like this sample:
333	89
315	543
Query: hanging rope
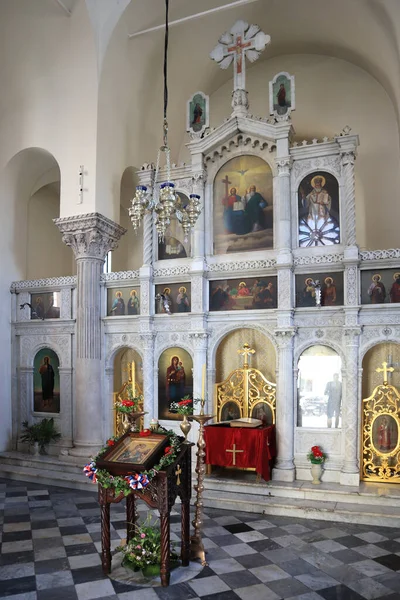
166	73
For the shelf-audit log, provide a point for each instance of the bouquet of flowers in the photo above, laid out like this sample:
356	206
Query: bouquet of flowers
129	404
184	407
316	456
144	548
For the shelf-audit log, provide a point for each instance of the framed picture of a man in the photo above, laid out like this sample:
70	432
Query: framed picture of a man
197	116
380	287
46	380
318	207
282	95
243	206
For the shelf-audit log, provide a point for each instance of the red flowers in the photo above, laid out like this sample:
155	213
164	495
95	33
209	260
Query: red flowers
110	442
127	403
168	450
184	402
145	433
316	450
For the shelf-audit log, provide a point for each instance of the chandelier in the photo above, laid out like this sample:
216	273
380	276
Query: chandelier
164	202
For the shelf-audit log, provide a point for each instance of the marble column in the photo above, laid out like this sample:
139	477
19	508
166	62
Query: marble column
283	232
199	340
198	232
91	237
149	367
350	421
284	470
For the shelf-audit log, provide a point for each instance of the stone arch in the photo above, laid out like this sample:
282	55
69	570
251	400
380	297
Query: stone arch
110	357
318	342
371	357
32	181
217	338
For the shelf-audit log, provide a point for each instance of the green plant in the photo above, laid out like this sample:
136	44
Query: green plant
130	404
144	548
43	433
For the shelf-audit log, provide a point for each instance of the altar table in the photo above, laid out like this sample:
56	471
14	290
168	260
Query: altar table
241	447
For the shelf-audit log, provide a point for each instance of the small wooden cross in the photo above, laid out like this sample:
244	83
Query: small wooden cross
385	371
245	351
234	452
227	183
177	473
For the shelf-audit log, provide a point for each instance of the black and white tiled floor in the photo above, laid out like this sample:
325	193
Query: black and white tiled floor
51	541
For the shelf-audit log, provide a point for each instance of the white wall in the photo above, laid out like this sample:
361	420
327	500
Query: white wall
46	255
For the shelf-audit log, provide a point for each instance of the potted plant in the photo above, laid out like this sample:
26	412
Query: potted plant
40	434
316	458
143	551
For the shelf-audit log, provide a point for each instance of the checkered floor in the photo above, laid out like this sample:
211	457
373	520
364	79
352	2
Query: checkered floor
51	541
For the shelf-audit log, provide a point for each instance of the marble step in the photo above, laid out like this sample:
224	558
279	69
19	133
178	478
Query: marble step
45	470
321	509
378	494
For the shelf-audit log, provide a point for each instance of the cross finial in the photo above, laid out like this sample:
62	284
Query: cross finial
241	42
385	370
245	352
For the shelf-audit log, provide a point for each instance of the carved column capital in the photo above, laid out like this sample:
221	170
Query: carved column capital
348	158
199	339
199	177
284	165
91	235
148	339
284	336
352	333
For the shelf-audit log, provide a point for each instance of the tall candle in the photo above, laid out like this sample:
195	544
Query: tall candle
203	382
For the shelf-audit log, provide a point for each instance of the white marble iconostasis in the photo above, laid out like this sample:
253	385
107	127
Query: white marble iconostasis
281	331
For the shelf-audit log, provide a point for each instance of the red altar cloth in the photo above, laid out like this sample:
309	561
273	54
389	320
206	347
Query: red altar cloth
254	448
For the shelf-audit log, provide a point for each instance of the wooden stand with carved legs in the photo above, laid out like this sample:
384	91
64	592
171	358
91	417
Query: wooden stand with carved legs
161	493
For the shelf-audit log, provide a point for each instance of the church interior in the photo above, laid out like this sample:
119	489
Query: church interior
200	277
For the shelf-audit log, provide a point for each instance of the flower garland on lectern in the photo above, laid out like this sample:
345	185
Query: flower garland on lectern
135	481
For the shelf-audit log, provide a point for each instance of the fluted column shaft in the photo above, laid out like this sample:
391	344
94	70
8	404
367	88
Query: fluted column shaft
90	237
148	375
284	470
350	469
283	235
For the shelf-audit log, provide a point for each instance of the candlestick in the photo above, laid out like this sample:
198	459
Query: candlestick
196	543
203	381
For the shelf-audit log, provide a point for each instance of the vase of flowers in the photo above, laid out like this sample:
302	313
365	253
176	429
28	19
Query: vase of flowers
316	458
184	408
130	409
143	551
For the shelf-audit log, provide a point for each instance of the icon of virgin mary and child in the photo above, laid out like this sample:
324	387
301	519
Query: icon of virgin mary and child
175	384
244	214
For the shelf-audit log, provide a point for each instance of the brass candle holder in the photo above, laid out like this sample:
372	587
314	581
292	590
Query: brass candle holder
196	543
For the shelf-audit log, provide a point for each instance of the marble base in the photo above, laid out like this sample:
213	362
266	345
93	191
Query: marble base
283	475
349	478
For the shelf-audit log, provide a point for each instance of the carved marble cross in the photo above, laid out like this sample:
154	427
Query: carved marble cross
242	41
385	371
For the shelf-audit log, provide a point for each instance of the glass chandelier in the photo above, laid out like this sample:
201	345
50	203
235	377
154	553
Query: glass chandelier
165	202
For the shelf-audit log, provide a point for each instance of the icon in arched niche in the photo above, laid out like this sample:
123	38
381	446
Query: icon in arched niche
243	206
46	380
175	245
175	380
318	202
